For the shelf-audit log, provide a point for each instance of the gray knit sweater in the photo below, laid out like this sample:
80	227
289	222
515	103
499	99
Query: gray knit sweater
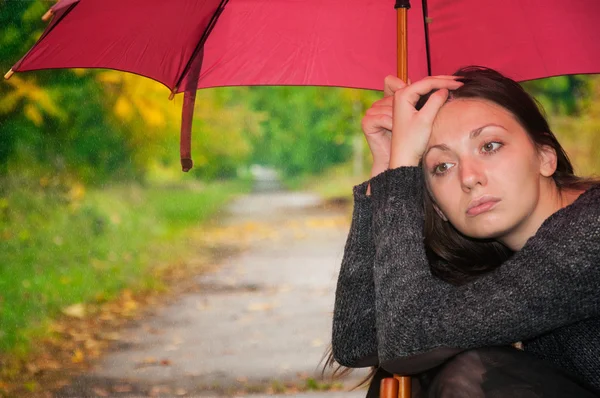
391	312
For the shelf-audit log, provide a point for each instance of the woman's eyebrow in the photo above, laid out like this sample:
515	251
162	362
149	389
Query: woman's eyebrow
441	147
473	134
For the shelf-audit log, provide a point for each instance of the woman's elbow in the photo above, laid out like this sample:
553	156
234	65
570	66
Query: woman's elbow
352	358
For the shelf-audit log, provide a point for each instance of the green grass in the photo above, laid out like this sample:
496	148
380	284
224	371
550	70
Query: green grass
335	183
60	245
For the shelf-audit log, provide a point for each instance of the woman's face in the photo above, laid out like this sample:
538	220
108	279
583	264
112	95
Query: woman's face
483	169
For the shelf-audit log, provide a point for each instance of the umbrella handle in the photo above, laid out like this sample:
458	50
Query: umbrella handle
395	387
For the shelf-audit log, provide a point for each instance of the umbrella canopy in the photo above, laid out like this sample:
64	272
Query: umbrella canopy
189	44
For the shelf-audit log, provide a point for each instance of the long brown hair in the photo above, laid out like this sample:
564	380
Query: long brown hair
454	257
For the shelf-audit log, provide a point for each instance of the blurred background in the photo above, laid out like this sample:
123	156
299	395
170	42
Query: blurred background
94	208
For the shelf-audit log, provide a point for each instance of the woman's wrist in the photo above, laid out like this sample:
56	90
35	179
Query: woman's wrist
379	168
404	160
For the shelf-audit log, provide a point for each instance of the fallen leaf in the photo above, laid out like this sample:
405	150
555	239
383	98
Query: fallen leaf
75	311
122	388
77	356
113	336
180	391
101	392
147	362
48	364
260	307
165	362
32	368
156	390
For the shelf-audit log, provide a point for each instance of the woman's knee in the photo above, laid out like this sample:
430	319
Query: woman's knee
461	376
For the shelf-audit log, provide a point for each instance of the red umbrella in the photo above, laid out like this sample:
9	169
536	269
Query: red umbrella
189	44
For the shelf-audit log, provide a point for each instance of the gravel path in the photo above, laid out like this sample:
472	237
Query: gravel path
256	326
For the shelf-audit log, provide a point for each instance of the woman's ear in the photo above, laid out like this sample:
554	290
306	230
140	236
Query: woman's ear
439	212
547	160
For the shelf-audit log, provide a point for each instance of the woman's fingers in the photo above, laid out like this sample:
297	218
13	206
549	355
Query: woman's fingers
412	127
375	122
432	106
391	84
413	93
384	102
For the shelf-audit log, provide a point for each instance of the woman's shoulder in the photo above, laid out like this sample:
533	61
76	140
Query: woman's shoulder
578	222
585	206
590	196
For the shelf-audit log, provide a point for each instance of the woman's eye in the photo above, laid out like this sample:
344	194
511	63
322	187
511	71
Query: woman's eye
442	168
491	147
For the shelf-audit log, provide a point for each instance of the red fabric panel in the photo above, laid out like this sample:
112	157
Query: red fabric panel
147	37
348	43
525	39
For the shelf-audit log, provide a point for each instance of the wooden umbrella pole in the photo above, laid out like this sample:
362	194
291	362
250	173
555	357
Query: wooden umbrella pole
404	386
402	42
399	386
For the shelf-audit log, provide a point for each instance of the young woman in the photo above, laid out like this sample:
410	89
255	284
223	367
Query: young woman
472	234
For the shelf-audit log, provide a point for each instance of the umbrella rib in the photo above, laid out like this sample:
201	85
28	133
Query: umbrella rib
200	44
426	28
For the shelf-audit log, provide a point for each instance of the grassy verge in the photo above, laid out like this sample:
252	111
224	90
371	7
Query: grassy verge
61	245
336	183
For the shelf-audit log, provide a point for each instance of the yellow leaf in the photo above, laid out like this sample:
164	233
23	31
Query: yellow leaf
33	114
110	77
123	108
77	192
9	102
78	356
75	311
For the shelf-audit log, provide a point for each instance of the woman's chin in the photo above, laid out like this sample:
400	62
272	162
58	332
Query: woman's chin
486	228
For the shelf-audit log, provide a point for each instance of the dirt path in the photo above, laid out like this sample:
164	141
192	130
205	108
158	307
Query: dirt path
258	325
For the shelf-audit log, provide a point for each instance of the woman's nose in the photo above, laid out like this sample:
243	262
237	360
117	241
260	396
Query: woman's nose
472	173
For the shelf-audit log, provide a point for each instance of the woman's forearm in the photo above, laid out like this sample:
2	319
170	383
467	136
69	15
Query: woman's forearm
354	338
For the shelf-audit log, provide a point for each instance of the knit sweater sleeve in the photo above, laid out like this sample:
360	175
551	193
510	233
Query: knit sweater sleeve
421	321
354	340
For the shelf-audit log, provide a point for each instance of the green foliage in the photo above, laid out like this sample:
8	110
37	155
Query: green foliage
61	244
307	129
580	134
560	94
54	119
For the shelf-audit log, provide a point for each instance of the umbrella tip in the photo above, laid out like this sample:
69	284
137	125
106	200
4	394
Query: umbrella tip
9	74
48	15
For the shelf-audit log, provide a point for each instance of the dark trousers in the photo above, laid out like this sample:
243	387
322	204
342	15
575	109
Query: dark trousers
493	372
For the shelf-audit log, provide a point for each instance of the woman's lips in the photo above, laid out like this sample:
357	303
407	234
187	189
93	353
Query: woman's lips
482	208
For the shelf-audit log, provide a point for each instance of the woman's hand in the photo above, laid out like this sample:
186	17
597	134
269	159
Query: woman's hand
411	129
377	125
